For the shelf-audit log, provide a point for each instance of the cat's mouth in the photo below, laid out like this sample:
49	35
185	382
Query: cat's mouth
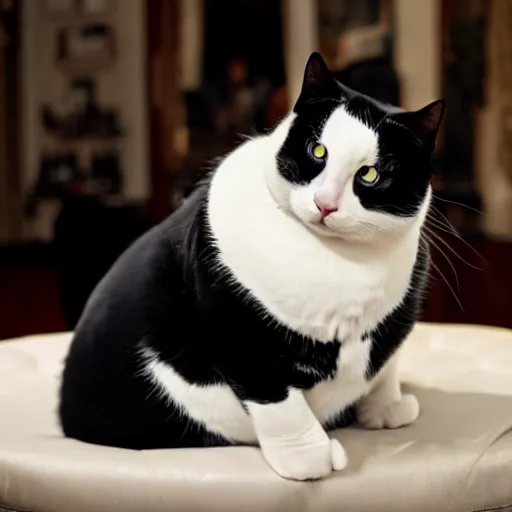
324	222
321	227
339	227
324	228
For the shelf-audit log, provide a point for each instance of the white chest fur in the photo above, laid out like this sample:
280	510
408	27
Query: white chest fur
321	287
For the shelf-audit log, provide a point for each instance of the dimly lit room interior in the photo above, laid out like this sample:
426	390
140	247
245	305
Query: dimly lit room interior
112	111
164	136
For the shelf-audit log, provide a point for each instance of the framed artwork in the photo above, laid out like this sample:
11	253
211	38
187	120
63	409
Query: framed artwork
96	7
58	8
356	39
351	30
86	48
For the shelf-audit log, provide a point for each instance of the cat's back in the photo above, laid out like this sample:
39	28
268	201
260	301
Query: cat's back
148	269
142	296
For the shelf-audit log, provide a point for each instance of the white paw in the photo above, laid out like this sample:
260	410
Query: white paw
311	461
338	456
392	415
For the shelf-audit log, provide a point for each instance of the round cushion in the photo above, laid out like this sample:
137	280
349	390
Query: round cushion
457	456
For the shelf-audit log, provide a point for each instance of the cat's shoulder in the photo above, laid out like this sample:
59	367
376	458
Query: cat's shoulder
171	238
155	262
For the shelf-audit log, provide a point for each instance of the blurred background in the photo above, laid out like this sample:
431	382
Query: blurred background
112	109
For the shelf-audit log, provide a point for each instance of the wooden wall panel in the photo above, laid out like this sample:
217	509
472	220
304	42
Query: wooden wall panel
164	101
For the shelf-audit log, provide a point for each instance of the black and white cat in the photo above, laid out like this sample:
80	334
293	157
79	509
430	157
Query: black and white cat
272	304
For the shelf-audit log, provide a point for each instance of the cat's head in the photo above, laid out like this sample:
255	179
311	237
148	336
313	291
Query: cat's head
349	166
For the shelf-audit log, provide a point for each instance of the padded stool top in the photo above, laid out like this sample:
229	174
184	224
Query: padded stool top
456	457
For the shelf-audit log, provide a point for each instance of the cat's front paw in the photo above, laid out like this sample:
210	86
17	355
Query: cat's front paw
397	414
309	461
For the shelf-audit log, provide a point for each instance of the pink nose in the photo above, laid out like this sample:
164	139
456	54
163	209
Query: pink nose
325	209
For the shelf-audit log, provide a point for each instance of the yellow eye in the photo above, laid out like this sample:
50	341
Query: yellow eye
368	174
319	151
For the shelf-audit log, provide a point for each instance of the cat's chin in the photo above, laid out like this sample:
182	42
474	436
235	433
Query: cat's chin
319	228
347	234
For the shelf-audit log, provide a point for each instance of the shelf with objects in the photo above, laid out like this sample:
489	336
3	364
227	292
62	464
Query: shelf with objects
81	140
81	150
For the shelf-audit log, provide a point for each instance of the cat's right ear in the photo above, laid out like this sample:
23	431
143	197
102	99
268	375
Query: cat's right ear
318	82
424	123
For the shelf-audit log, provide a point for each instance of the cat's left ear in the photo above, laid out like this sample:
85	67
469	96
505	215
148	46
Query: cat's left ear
318	82
424	123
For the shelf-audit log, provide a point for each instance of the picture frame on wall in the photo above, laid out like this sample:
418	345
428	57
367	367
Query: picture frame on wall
349	29
58	9
96	7
86	48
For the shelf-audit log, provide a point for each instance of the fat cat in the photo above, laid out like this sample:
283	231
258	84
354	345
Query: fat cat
271	306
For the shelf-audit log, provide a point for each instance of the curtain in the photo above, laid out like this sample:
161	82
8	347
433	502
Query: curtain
494	141
501	13
4	228
11	210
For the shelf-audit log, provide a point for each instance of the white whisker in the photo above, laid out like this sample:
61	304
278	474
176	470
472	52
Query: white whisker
447	259
449	247
448	284
459	204
445	225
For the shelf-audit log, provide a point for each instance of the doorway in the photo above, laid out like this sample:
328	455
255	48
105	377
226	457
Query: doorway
11	209
241	65
249	30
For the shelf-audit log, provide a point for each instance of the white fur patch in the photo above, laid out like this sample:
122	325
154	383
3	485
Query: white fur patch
319	286
293	441
219	410
385	406
215	407
391	415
